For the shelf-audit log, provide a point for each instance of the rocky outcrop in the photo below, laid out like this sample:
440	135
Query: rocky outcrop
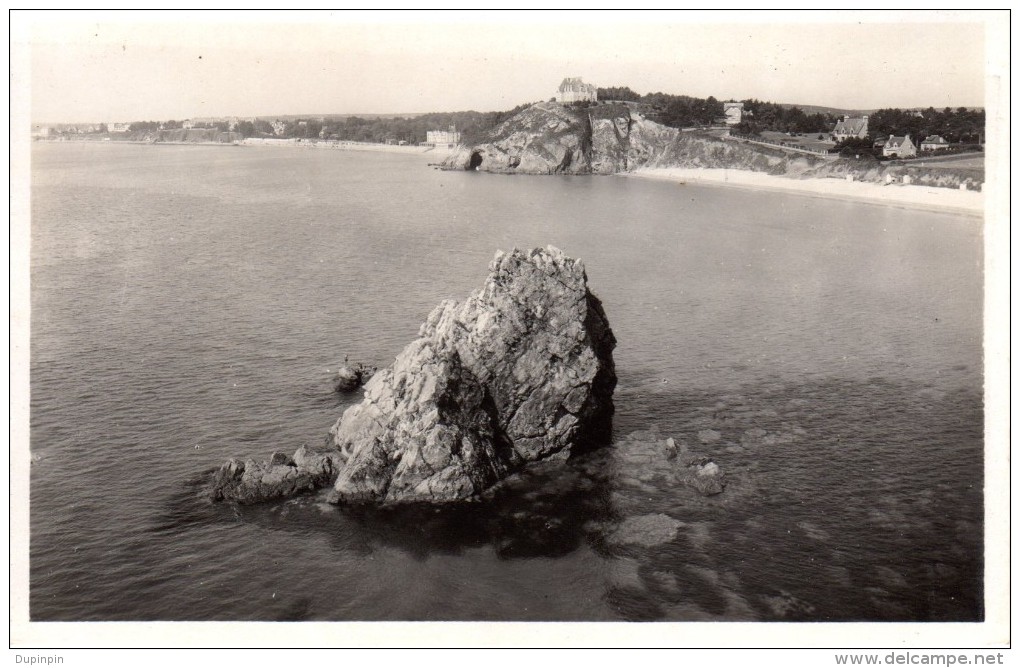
623	140
250	481
548	138
520	371
350	377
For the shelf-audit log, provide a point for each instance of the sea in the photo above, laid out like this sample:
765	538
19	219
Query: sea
190	304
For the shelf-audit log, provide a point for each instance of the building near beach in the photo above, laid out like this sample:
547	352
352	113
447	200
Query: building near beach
933	143
899	147
448	138
573	89
734	112
850	128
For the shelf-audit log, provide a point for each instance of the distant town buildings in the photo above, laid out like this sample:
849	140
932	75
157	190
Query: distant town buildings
448	138
734	112
279	127
899	147
118	127
572	89
850	128
933	143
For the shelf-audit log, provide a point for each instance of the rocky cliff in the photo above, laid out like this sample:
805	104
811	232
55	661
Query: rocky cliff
548	138
520	371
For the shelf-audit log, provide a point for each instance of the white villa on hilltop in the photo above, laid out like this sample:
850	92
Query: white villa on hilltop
572	89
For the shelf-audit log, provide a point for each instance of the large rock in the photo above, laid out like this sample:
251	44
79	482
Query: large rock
520	371
549	138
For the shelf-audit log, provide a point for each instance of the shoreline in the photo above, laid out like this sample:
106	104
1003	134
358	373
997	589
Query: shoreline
344	146
929	198
276	143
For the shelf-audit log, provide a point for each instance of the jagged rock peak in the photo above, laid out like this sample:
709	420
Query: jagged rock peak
520	371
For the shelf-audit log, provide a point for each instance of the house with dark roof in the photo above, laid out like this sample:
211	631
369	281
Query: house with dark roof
933	143
850	128
899	147
572	89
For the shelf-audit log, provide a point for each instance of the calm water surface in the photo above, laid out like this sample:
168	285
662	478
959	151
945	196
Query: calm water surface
190	303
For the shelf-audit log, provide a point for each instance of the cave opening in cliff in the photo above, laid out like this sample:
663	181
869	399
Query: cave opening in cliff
476	160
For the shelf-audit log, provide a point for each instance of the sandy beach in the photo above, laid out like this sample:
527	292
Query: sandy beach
345	146
969	202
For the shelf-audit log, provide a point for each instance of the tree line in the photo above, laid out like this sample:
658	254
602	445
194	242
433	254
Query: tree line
760	116
473	125
960	125
678	111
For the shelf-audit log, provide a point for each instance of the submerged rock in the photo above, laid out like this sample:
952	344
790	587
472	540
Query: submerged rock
642	461
648	530
703	474
520	371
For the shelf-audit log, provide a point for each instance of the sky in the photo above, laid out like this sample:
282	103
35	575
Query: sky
119	67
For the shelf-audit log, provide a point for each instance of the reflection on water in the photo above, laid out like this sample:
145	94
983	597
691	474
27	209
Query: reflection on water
190	305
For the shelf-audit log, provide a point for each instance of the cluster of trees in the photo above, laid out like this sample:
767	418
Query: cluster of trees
618	93
760	116
676	111
680	111
857	148
960	125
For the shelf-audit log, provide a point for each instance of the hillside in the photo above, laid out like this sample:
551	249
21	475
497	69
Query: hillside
548	138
